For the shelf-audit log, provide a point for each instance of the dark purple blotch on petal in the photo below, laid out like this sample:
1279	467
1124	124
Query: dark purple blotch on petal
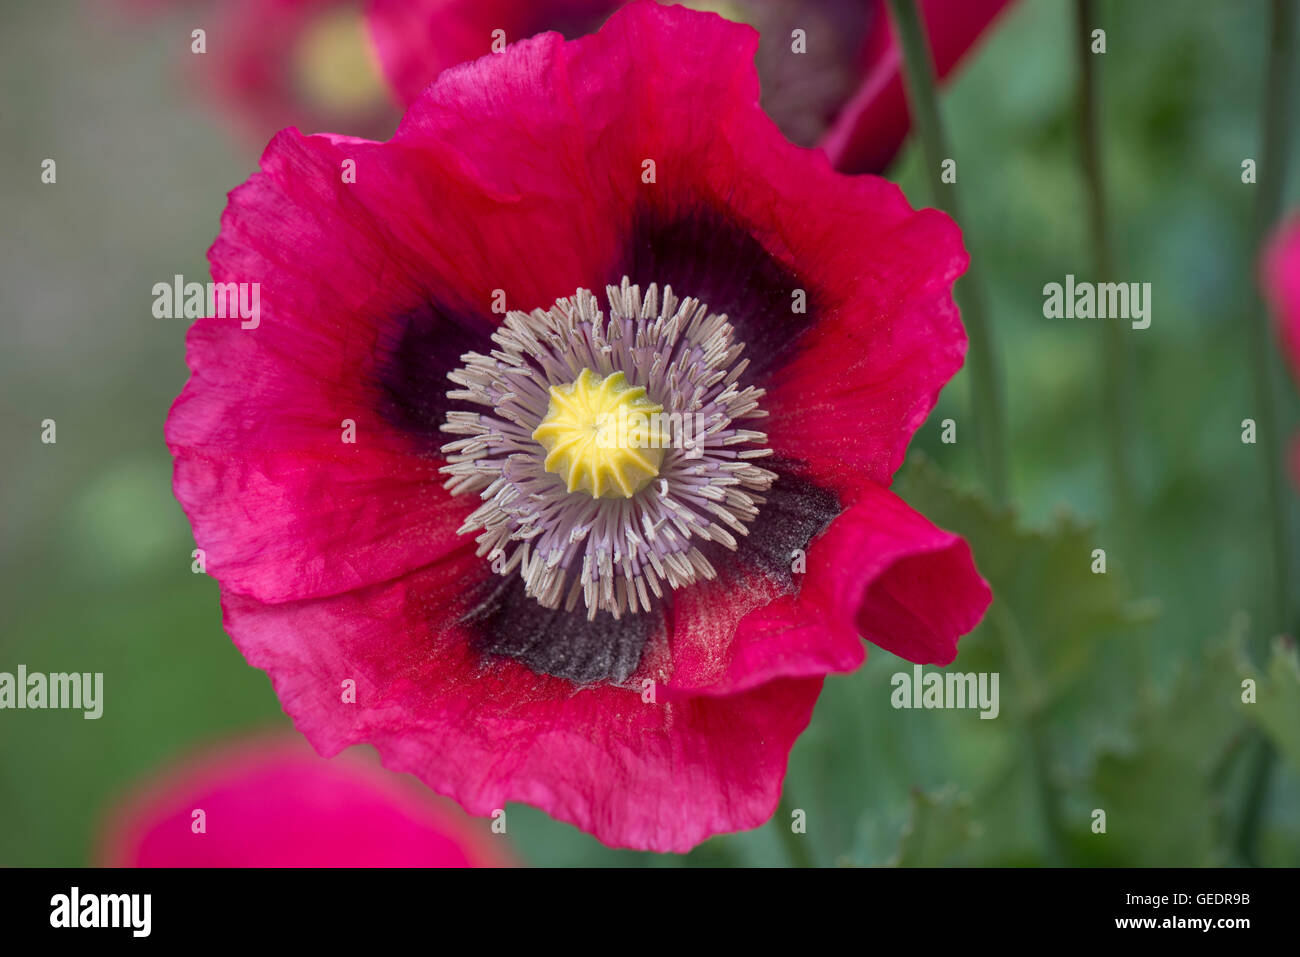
415	354
701	252
796	512
508	622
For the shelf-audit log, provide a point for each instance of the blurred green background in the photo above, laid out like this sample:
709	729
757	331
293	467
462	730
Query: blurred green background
1130	701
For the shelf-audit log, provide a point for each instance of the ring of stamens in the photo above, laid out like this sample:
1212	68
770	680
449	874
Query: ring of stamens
611	551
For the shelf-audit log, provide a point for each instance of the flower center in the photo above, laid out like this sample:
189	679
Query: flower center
601	435
333	66
630	488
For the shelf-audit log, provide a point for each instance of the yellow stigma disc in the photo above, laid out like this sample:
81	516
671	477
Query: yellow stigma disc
603	436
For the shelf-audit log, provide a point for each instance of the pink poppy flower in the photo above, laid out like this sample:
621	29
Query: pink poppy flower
1282	285
843	90
628	636
271	802
1281	279
305	63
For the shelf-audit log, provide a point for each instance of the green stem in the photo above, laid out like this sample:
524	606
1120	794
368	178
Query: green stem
1006	630
986	392
796	845
1271	171
1264	359
1118	373
1258	782
986	397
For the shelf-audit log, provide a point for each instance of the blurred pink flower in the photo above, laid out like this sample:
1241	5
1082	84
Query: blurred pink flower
1281	279
303	63
276	63
1282	287
272	802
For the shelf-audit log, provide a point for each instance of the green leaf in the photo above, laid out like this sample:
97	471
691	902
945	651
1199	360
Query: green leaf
1061	638
1277	698
941	825
1050	610
1161	794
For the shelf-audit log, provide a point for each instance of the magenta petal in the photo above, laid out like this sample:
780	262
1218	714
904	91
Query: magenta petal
661	774
271	802
882	570
869	373
283	507
729	639
418	39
